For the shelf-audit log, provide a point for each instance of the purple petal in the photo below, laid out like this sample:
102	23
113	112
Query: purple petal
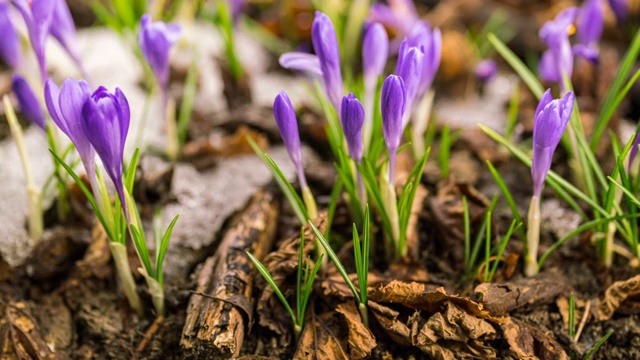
590	22
10	45
548	68
486	70
288	127
156	40
352	118
64	30
29	104
325	44
556	30
37	15
392	103
409	68
586	52
620	9
375	49
633	152
302	62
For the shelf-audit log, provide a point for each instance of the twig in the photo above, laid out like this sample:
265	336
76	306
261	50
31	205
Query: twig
148	336
583	321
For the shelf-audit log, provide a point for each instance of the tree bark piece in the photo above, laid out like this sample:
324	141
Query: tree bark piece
215	323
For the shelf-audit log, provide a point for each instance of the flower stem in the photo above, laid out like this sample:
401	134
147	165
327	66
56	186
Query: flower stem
35	206
533	238
119	253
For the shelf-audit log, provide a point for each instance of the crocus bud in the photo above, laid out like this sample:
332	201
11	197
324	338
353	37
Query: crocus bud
352	118
156	40
558	59
392	104
551	119
10	44
37	15
590	22
288	127
620	8
29	105
105	121
325	44
430	42
409	68
486	70
65	106
375	49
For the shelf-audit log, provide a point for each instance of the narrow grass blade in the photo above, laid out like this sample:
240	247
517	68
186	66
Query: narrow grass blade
269	279
520	68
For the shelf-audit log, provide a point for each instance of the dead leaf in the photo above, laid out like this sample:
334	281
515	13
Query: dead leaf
615	295
361	340
388	319
527	342
426	297
454	329
502	298
322	338
24	334
282	263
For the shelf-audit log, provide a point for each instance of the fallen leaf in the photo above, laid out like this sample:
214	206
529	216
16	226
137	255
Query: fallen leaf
527	342
388	319
361	340
323	337
502	298
615	295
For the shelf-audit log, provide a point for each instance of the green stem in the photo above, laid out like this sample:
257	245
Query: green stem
121	260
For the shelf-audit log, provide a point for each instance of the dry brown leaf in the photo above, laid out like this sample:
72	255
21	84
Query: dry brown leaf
323	337
615	295
425	297
203	152
527	342
501	298
361	340
388	319
281	264
453	329
23	336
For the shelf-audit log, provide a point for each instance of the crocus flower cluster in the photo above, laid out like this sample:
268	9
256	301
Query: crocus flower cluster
156	40
29	104
10	44
44	17
557	60
326	62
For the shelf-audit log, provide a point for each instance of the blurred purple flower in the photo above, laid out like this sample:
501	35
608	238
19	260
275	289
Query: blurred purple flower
352	118
10	50
64	30
399	16
392	103
326	62
409	68
590	22
422	37
156	39
105	122
551	119
65	106
375	50
325	43
288	127
37	15
558	59
486	70
633	152
29	104
620	8
237	6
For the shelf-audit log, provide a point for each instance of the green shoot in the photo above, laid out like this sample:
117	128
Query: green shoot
188	98
597	346
507	196
225	23
304	286
445	151
572	316
527	76
502	245
466	216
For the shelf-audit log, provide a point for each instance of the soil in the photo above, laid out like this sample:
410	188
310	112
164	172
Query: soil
59	297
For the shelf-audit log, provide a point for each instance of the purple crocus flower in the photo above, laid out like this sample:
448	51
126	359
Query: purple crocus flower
325	43
288	127
486	70
64	31
409	68
399	17
326	62
156	39
105	122
551	119
392	104
558	59
10	44
620	8
375	49
590	23
352	118
29	105
37	15
422	37
65	106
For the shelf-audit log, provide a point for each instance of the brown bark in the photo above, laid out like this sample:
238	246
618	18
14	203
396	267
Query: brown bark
221	307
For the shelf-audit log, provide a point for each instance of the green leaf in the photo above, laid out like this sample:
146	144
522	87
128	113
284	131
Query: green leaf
597	345
520	68
503	245
130	172
407	197
164	245
269	279
336	261
504	189
188	98
287	189
141	246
